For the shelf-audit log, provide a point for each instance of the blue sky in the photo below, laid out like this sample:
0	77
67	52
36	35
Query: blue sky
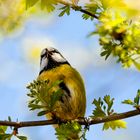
68	34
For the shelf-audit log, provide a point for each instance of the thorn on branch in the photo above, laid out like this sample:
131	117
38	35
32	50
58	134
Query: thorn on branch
15	131
138	108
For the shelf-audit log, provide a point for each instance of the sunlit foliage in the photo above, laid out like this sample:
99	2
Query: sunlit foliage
117	26
117	23
13	14
103	107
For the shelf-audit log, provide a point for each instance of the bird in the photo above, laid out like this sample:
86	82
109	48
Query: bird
54	67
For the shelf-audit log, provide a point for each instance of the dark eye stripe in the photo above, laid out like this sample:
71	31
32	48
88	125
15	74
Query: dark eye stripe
54	51
43	55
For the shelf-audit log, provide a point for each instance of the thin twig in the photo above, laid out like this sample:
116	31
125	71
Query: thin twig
77	8
81	121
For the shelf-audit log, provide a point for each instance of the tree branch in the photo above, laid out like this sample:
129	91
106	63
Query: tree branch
81	121
78	8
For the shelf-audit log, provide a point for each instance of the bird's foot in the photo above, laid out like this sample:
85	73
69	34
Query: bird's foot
87	123
57	119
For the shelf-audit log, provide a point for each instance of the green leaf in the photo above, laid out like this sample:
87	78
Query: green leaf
55	96
83	136
104	53
35	106
109	102
9	119
114	125
61	14
98	111
85	17
5	136
30	3
103	107
109	53
49	5
129	102
22	137
92	8
68	131
42	97
56	83
136	64
137	98
65	10
92	33
136	102
138	92
41	113
3	129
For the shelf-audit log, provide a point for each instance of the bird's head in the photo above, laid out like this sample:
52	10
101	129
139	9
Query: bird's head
51	58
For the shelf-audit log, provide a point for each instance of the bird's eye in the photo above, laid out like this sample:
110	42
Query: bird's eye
54	51
43	55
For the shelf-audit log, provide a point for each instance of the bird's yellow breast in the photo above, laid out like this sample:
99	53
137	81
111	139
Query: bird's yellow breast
75	105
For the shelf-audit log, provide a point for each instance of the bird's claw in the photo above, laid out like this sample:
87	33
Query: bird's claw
87	124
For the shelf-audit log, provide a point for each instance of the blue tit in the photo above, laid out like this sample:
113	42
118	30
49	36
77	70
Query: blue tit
54	67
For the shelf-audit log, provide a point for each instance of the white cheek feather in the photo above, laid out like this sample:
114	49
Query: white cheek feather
58	58
44	63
